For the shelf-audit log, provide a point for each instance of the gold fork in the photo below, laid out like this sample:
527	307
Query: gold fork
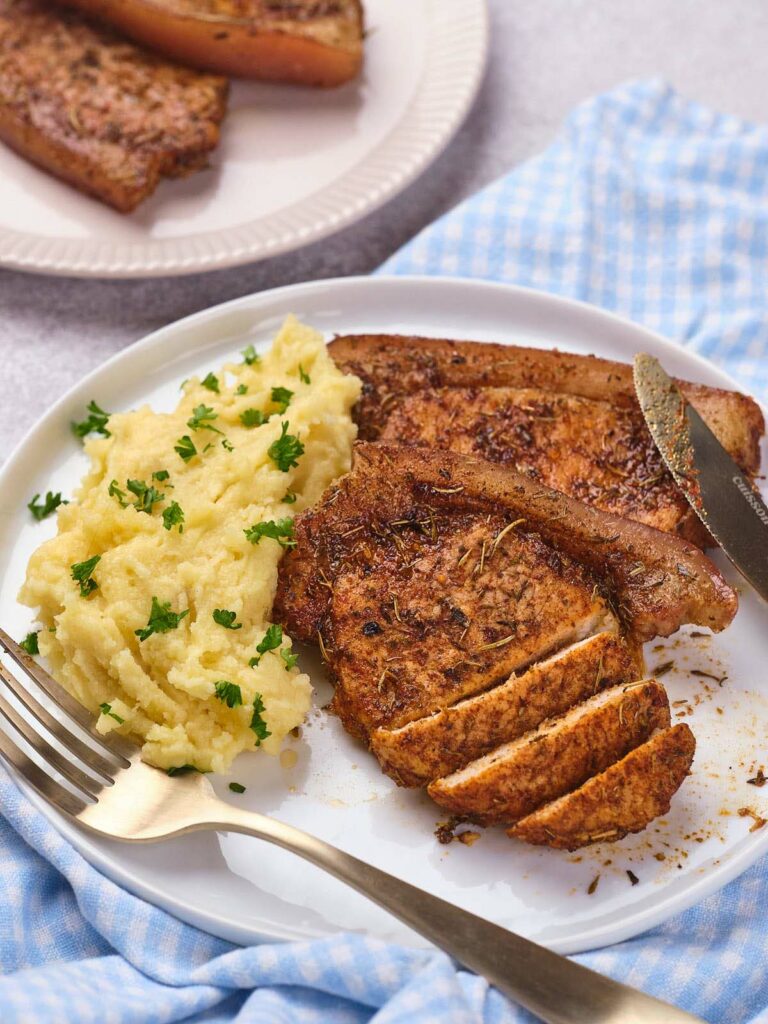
113	793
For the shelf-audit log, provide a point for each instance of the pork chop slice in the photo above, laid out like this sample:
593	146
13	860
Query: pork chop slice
625	798
571	421
564	752
439	744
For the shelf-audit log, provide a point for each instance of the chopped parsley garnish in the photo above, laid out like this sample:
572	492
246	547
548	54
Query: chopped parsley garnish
183	769
30	644
227	445
185	448
281	531
285	451
81	573
253	418
229	693
250	356
161	619
304	376
161	474
106	709
272	640
282	398
95	423
289	659
115	492
49	506
236	787
258	724
226	619
174	516
242	389
289	499
201	414
211	382
146	496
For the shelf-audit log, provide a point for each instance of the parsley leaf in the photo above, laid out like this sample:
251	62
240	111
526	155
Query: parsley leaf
29	643
95	423
253	418
229	693
115	492
185	448
161	474
236	787
282	398
161	619
289	499
106	709
258	724
146	496
242	389
303	376
52	502
200	414
272	640
174	516
281	531
226	619
250	356
227	445
289	659
285	451
81	573
211	382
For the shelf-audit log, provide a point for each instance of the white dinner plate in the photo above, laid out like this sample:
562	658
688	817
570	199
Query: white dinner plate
294	165
246	891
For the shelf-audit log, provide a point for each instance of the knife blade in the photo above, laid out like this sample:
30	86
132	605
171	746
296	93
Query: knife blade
719	493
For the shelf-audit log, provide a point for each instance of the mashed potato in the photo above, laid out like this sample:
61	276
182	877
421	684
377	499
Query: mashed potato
205	587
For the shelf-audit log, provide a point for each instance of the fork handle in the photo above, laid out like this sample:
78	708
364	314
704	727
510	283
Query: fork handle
556	989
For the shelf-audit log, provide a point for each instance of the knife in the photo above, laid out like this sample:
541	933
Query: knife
717	490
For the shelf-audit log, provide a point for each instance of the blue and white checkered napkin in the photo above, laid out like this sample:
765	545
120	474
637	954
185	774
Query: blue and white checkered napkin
647	205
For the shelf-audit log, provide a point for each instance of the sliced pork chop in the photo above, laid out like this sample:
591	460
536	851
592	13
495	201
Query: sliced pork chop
515	779
570	421
625	798
439	744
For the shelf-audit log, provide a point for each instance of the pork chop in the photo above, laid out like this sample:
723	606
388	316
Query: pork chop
95	110
572	422
441	743
625	798
554	759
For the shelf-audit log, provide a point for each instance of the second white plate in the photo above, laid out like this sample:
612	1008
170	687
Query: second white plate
244	890
294	165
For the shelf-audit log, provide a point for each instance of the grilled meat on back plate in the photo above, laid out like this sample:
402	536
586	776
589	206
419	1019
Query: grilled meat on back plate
571	422
452	600
97	111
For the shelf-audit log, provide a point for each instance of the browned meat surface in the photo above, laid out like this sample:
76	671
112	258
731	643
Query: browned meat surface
97	111
310	42
625	798
571	422
439	744
515	779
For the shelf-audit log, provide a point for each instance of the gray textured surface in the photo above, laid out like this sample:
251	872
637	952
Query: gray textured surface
546	56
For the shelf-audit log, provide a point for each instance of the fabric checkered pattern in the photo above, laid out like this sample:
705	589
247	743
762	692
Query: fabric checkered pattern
649	206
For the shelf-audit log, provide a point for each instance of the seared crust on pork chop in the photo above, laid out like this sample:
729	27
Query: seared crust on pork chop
515	779
98	112
625	798
656	582
572	422
439	744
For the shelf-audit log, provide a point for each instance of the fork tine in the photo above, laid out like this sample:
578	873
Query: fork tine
38	779
49	753
87	754
118	749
